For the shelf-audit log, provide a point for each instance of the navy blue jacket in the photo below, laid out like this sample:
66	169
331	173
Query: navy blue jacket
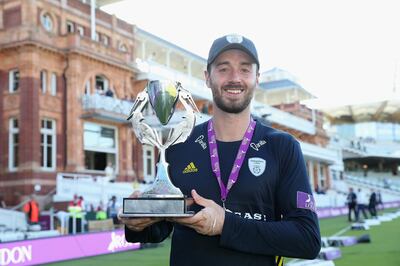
270	210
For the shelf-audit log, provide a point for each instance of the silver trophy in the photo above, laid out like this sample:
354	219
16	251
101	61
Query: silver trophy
162	198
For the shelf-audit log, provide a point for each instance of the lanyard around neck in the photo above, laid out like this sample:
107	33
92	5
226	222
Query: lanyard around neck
244	146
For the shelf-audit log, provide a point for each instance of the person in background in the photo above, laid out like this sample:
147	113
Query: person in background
363	202
253	205
101	214
110	172
31	208
352	204
81	202
76	214
109	93
113	209
379	201
372	204
2	202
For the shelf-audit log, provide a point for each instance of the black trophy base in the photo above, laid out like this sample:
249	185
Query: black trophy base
155	207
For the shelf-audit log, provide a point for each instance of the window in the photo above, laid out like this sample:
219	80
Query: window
47	22
87	87
148	163
13	144
43	80
70	27
53	85
122	47
13	80
101	84
80	30
321	176
105	40
48	144
100	146
97	37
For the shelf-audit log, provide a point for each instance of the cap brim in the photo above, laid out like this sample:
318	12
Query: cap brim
229	47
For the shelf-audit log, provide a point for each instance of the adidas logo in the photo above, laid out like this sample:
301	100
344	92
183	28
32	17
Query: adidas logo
191	168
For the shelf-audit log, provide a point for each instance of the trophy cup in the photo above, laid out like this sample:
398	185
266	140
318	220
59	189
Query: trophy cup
162	198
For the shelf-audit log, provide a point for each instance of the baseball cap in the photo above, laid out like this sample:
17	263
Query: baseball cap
232	41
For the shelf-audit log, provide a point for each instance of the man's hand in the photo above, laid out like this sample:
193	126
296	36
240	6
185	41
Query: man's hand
138	224
209	221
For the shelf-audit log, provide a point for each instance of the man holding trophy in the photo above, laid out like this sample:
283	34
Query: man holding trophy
252	199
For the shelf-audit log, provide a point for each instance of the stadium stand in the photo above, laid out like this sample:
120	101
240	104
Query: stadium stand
14	227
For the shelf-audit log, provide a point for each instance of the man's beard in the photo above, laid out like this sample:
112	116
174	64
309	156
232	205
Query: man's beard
233	107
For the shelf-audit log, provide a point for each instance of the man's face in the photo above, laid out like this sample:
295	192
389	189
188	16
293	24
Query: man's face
232	78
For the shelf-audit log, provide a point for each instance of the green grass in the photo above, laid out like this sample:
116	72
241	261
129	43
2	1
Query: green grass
384	248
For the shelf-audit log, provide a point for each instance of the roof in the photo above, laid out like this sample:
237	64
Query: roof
279	84
100	3
149	35
382	111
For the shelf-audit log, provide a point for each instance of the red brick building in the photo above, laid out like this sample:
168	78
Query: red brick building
54	78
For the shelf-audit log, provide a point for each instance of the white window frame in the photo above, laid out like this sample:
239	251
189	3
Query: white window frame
105	40
114	150
11	151
71	25
148	177
53	84
97	36
12	80
43	80
310	166
321	176
48	132
81	30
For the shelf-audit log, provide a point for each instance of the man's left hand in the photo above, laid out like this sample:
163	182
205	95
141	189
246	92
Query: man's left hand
209	221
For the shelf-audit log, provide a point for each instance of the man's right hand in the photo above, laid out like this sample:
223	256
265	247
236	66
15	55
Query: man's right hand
138	224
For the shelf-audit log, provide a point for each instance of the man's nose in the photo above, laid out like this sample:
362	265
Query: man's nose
235	76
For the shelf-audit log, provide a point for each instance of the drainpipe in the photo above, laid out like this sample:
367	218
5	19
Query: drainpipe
64	110
93	18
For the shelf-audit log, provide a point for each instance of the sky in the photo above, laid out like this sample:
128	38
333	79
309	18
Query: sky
342	51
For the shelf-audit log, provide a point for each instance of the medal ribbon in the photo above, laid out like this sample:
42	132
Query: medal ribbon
244	146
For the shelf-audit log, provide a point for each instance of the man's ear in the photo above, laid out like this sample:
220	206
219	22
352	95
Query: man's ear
257	77
207	78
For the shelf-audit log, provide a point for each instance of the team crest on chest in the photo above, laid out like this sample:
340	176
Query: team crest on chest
257	166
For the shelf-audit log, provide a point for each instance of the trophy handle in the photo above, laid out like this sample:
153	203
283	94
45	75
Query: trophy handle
182	131
143	132
186	99
139	104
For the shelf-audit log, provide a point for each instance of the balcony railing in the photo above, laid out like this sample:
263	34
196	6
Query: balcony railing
328	155
109	108
277	116
106	107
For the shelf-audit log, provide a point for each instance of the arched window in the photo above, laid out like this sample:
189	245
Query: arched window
122	47
47	22
102	84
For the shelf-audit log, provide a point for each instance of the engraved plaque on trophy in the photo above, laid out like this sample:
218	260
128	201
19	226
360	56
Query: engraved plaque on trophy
162	198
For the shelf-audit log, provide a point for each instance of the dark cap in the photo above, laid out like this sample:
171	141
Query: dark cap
232	41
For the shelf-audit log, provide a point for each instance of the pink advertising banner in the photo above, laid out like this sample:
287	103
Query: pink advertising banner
47	250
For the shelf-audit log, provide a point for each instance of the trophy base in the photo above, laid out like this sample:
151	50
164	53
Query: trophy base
155	207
